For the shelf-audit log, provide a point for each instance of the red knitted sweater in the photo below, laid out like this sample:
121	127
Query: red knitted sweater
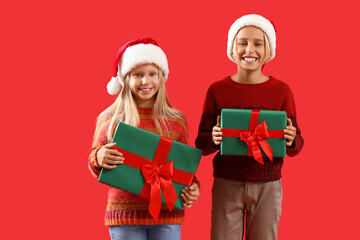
124	208
272	94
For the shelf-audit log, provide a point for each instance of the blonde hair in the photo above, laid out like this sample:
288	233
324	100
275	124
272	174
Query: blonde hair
266	45
125	108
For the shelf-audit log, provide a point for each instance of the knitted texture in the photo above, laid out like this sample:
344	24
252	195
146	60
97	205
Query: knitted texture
124	208
272	94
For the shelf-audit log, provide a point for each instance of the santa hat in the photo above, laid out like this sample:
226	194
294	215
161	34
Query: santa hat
132	54
252	20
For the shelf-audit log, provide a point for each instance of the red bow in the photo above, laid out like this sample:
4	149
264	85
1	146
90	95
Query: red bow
256	139
156	177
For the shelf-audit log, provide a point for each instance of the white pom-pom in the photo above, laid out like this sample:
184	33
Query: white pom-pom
113	87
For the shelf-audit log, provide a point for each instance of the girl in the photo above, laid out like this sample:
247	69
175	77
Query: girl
244	188
141	68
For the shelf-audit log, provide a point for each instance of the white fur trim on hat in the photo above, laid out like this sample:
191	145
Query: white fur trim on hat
142	54
113	87
132	54
252	20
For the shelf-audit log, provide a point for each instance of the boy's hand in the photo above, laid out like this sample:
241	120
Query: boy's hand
289	133
217	133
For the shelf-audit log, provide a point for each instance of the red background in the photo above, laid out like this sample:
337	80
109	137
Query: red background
56	59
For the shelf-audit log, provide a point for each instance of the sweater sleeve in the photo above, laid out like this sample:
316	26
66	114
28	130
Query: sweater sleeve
207	122
99	140
289	107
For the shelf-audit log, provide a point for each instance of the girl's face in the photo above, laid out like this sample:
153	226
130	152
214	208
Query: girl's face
250	48
144	83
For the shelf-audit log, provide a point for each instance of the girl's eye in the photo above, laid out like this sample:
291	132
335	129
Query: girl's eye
242	43
258	44
152	74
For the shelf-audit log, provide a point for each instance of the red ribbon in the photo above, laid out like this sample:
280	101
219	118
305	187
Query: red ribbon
255	136
158	174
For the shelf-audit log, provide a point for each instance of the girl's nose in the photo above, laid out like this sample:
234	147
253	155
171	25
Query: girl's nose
145	80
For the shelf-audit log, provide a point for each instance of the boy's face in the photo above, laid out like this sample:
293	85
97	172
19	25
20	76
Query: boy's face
144	84
250	48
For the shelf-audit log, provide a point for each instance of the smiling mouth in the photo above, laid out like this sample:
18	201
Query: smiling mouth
249	59
145	89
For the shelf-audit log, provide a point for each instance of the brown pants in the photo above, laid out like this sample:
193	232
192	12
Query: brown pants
234	201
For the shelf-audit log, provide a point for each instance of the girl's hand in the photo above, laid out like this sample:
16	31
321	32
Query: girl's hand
289	133
190	194
108	158
216	132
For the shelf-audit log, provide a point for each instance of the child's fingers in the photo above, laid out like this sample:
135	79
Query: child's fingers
189	197
193	186
218	121
194	191
290	132
217	130
289	122
289	137
187	205
118	162
184	197
185	191
217	138
194	194
216	134
110	145
190	203
289	140
291	128
112	162
107	166
191	194
115	152
114	158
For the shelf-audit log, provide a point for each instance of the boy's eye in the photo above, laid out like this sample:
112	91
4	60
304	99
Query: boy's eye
152	74
258	44
242	43
138	75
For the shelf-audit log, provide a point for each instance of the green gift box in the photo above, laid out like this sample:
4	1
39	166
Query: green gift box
140	147
245	130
